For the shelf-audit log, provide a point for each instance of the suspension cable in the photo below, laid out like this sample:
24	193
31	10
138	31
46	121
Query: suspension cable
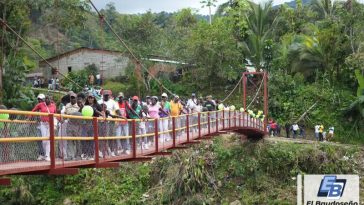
256	94
126	46
236	86
101	19
35	51
142	65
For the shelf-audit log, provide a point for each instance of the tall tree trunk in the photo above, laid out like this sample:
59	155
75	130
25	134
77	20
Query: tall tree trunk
210	20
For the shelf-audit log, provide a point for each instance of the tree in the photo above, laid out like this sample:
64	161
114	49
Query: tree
350	14
209	4
16	94
185	18
212	48
356	109
324	8
306	56
260	25
15	14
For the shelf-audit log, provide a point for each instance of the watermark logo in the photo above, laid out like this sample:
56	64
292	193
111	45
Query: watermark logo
331	187
328	189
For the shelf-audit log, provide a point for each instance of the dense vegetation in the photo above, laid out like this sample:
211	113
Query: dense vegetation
313	52
220	172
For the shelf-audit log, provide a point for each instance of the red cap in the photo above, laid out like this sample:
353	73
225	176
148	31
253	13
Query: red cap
135	98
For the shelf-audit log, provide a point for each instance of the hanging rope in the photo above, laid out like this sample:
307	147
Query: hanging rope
57	43
126	46
256	94
236	86
101	18
36	52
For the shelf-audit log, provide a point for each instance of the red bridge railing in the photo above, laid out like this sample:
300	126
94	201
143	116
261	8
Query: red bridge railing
42	143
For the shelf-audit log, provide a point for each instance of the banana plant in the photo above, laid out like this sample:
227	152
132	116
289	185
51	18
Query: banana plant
356	108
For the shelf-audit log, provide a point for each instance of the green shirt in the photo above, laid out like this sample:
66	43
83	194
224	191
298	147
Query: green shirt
132	115
167	106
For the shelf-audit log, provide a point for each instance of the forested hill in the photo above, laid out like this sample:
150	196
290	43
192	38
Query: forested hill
313	53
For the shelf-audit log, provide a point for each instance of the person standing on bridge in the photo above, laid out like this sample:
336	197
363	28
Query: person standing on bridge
148	100
135	113
122	128
69	147
176	110
164	114
210	104
165	99
46	107
192	106
87	128
40	99
153	111
113	110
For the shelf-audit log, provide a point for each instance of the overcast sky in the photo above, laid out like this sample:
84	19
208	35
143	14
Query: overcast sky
140	6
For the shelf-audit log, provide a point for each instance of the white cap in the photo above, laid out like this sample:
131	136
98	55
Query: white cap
165	95
41	96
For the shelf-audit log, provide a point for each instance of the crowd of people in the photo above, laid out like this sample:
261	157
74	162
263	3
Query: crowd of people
321	134
119	106
299	130
53	83
105	104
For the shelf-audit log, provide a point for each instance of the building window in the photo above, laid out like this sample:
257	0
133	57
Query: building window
69	69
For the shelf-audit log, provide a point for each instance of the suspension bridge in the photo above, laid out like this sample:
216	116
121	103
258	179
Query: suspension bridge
76	142
71	136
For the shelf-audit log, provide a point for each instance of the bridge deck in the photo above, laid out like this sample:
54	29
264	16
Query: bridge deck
20	142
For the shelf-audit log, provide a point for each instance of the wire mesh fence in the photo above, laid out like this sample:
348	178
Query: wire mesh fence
181	129
24	139
193	125
116	138
31	140
75	139
145	136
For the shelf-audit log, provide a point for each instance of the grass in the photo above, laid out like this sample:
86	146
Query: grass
213	172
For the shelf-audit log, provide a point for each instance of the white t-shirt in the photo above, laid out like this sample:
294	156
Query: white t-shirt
111	105
191	104
317	128
70	109
142	123
331	130
295	127
198	108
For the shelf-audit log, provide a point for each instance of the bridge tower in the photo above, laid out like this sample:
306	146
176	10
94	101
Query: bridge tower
258	82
